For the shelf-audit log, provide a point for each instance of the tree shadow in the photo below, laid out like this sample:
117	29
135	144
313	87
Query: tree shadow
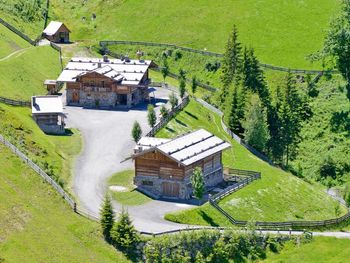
208	219
190	114
340	122
181	123
170	129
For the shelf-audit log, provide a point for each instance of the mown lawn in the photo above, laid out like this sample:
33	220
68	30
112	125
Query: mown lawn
282	32
55	154
321	249
36	225
10	42
278	196
23	75
130	196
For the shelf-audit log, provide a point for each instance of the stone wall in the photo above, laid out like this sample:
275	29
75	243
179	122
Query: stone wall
153	185
93	99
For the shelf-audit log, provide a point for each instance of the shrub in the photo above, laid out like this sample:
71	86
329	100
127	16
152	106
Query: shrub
107	218
163	111
136	132
151	116
173	100
178	55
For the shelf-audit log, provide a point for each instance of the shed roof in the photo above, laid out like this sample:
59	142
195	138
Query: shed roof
52	28
47	104
132	71
191	147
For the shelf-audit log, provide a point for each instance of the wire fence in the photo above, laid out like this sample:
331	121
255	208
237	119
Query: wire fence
104	44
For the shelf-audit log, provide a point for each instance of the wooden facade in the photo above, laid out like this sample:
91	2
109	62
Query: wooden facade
97	90
164	177
60	36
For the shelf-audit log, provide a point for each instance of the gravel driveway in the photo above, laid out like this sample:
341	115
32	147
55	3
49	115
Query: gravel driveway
106	142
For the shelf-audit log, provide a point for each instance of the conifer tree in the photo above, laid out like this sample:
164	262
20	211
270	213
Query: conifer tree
107	218
236	108
173	100
182	87
194	85
165	69
163	111
231	64
337	43
256	132
123	233
136	131
151	115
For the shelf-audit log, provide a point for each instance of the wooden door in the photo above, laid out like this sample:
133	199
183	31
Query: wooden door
170	189
75	96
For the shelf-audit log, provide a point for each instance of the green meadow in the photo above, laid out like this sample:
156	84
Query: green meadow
10	42
277	196
38	226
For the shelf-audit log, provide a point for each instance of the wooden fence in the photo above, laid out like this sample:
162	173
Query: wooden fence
251	176
18	32
59	49
15	102
40	172
104	44
164	121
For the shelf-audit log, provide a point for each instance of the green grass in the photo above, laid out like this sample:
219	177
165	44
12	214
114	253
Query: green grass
278	196
282	32
321	136
131	196
55	154
10	42
321	249
23	75
36	224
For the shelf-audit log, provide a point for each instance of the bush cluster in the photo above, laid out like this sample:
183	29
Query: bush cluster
27	10
210	246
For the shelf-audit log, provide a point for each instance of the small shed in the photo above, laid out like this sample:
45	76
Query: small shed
163	167
47	111
57	32
51	86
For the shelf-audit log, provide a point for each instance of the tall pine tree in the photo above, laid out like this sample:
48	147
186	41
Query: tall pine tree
231	63
107	218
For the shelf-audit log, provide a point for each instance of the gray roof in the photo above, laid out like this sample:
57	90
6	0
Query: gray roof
191	147
132	71
47	104
52	28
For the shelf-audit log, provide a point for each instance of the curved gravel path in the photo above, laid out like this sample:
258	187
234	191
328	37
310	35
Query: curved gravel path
106	142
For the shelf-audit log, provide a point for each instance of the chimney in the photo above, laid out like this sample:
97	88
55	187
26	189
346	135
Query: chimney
34	102
105	58
99	64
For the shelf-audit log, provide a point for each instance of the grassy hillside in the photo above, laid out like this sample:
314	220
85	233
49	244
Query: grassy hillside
27	16
54	154
326	134
36	225
282	32
321	249
10	42
23	75
278	196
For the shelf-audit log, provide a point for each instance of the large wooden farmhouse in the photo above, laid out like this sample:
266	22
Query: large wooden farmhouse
94	82
163	167
56	32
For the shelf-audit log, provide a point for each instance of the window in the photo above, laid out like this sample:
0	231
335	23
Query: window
148	183
103	83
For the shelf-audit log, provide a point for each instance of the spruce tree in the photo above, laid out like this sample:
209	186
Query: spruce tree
123	234
107	218
256	132
165	69
163	111
136	132
173	100
151	115
236	108
198	184
231	64
182	87
337	43
194	85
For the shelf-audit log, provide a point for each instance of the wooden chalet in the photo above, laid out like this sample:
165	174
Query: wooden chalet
56	32
106	83
47	111
163	167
